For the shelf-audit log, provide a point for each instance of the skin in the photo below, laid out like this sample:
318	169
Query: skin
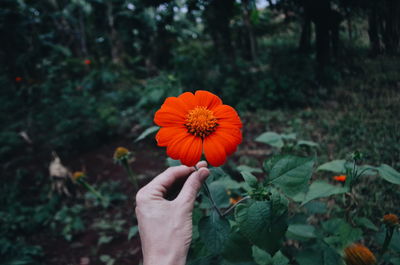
165	226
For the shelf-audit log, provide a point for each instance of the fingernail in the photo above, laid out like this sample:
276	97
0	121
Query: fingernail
203	173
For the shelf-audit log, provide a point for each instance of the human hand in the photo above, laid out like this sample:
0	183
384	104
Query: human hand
165	226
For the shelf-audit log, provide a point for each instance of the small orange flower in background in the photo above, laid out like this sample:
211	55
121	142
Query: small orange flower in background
78	175
195	123
390	219
18	79
87	62
235	200
121	153
358	254
341	178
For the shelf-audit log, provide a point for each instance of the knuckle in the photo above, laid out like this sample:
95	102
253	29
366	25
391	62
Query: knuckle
141	197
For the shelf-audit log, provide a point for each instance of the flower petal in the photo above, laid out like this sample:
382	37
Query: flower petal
207	99
214	151
227	116
174	147
229	138
189	99
168	118
168	134
191	149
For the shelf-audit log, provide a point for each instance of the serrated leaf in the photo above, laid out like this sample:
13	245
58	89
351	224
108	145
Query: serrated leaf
214	232
237	248
335	166
291	173
321	189
270	138
389	174
250	179
257	223
261	257
147	132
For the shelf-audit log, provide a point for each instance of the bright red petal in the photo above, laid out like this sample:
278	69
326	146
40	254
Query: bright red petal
227	116
214	151
191	149
189	99
168	134
172	113
174	146
207	99
229	138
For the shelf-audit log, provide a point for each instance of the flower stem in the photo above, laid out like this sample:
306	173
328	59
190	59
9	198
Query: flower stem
92	190
388	238
130	173
208	193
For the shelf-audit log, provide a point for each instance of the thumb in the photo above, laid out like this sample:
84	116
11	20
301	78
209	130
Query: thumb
192	186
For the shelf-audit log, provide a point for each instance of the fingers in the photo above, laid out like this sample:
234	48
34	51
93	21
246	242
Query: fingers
192	186
165	180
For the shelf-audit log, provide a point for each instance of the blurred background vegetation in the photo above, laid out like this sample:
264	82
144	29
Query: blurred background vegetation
77	76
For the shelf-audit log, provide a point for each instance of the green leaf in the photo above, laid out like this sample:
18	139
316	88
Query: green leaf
336	166
219	193
250	179
260	256
237	248
257	222
244	168
342	233
271	138
301	231
365	222
132	231
147	132
214	232
173	163
389	174
291	173
321	189
279	259
104	239
307	143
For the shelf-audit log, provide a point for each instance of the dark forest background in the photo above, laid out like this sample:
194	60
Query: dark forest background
80	77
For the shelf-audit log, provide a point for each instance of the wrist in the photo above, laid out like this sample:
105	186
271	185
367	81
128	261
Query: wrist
167	257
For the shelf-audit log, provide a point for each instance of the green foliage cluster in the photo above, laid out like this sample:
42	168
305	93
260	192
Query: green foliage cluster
286	207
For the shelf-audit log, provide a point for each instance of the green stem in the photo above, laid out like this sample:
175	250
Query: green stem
388	238
208	193
92	190
130	173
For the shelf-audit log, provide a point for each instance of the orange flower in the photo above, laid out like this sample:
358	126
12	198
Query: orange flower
78	175
358	254
235	200
18	79
121	153
87	61
390	219
341	178
195	123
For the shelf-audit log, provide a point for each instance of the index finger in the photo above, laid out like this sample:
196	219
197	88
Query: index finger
160	184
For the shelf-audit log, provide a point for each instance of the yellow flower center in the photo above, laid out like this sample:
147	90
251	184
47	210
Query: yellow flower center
201	122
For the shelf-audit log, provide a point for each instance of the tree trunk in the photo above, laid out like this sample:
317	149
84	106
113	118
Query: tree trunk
305	37
373	30
249	29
